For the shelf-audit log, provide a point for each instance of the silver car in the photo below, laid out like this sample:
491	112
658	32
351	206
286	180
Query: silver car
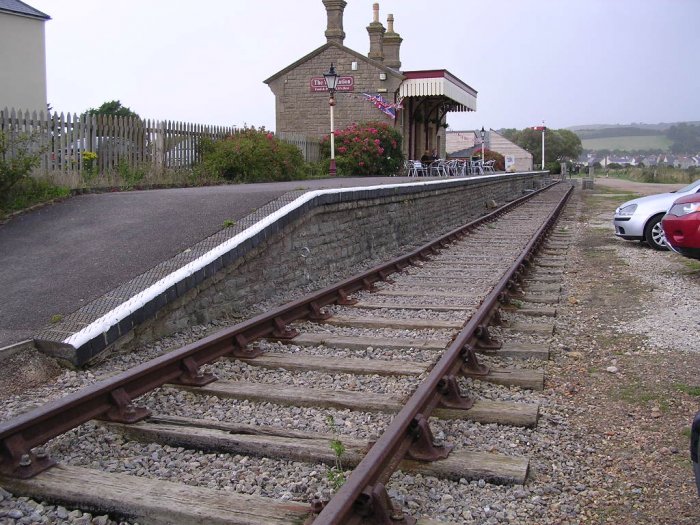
640	219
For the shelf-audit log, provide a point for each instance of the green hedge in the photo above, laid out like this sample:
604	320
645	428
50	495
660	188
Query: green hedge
252	155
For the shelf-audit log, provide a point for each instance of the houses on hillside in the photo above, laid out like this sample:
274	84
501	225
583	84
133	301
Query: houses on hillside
663	159
23	56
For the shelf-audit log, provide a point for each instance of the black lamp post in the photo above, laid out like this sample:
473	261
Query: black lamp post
483	137
331	82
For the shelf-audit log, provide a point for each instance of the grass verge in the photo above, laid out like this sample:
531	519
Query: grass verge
30	192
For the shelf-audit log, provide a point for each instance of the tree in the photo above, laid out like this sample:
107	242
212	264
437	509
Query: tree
560	144
685	138
570	147
114	146
113	107
509	133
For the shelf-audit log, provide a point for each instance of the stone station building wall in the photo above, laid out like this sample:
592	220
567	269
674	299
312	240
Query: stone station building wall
298	108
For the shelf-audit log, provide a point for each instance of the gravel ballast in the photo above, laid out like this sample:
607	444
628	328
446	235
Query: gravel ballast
609	446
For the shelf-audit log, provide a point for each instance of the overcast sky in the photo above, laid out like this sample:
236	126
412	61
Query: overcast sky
567	62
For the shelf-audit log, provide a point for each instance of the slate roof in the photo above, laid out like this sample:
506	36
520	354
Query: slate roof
325	46
463	153
20	8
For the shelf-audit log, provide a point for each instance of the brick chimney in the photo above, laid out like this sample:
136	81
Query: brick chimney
376	37
392	45
334	28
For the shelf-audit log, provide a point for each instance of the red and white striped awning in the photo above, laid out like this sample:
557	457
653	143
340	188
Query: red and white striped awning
436	83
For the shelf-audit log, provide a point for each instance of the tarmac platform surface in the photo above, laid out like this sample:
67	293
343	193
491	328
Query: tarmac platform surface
58	258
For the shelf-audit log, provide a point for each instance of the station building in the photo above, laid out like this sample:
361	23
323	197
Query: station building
370	88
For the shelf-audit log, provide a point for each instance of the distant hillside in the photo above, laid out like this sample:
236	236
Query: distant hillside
629	143
627	137
661	126
624	131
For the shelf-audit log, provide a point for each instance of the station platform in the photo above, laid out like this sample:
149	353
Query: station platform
68	256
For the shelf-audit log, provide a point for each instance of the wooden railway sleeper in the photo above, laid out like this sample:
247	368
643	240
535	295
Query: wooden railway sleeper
424	447
18	461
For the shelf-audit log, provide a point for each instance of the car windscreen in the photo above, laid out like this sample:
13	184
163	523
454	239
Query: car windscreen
693	187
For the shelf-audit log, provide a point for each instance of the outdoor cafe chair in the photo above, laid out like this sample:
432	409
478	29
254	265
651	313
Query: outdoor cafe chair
476	167
451	168
457	167
416	168
438	168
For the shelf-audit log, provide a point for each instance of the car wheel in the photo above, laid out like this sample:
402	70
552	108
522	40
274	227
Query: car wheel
654	234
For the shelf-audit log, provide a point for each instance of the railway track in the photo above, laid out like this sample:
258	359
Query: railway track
359	399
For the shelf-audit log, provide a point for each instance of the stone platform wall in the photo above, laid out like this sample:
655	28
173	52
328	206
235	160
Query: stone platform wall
335	238
331	236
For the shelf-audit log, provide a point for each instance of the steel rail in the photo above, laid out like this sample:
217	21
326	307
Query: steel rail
111	398
357	492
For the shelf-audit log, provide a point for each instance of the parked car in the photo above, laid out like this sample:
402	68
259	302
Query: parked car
681	226
640	219
695	449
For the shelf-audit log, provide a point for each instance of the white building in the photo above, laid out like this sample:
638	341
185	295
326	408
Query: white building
22	57
466	143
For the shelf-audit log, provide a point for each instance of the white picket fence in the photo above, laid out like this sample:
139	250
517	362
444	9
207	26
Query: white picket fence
61	141
310	146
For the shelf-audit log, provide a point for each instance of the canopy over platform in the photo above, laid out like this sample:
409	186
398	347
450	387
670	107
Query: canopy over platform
427	98
457	95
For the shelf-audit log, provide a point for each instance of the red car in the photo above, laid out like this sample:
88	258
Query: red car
681	225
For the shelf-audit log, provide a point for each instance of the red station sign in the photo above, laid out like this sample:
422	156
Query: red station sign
318	84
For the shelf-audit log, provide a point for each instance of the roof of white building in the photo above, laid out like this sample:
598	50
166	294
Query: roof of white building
16	7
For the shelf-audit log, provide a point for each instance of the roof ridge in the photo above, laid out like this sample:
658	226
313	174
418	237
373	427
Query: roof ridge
20	8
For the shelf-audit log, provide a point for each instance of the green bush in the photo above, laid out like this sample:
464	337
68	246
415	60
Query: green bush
553	168
28	192
252	155
129	176
370	148
500	160
662	174
17	160
18	190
